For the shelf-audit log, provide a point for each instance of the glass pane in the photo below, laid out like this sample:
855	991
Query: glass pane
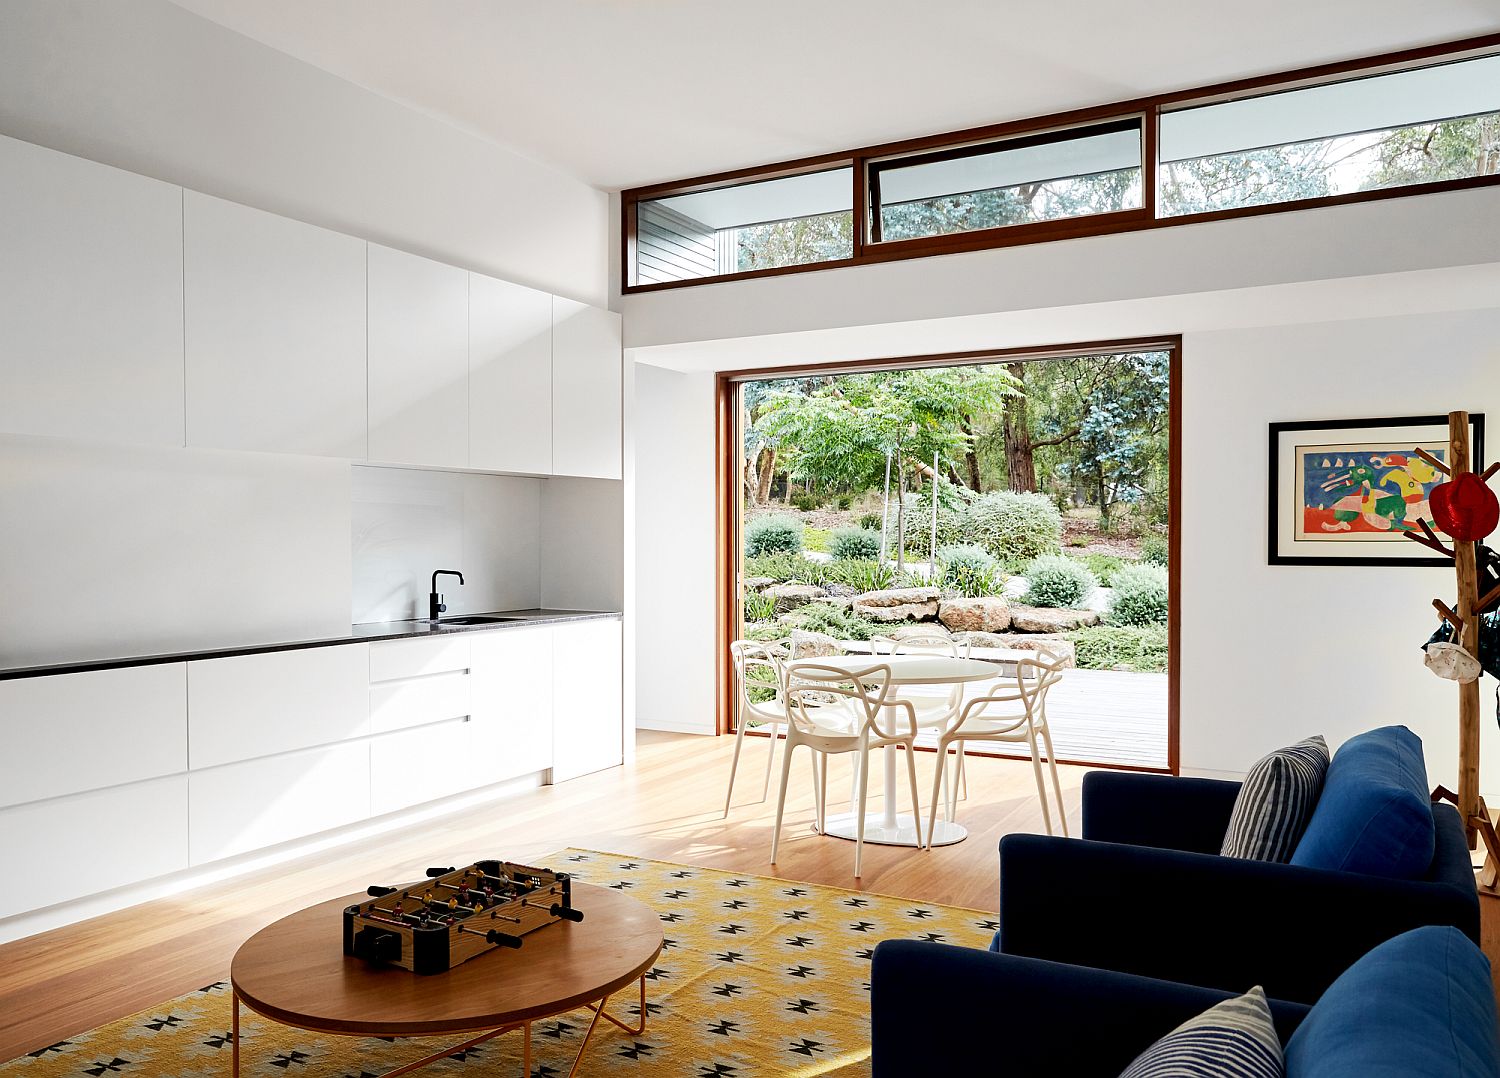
748	226
1096	171
1434	123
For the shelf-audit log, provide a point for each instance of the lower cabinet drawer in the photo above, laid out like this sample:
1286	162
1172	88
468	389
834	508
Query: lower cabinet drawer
413	766
396	705
392	659
245	806
69	847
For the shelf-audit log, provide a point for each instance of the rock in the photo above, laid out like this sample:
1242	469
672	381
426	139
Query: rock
755	583
843	591
789	597
989	614
1047	619
898	604
918	630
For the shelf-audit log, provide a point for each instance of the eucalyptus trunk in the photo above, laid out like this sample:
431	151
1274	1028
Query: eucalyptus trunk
1020	461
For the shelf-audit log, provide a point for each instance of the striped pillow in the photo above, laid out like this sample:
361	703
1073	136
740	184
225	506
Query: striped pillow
1233	1039
1276	802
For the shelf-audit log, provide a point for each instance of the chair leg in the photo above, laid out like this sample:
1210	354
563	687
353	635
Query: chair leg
1036	767
937	791
950	810
770	759
859	824
739	741
963	774
1062	811
822	792
786	773
916	804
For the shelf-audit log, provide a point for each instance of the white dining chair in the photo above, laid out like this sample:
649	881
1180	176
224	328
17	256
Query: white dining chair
757	667
1007	715
936	706
863	717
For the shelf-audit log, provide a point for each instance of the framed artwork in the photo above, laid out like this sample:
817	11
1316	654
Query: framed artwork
1343	492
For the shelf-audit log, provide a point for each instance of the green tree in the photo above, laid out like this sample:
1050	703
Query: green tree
821	238
1022	204
1450	149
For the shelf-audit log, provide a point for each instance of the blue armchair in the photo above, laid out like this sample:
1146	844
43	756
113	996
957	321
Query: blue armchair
1146	892
1421	1004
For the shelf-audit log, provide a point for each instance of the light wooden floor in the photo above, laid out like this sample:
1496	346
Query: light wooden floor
666	806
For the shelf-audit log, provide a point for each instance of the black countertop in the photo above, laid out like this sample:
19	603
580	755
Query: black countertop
357	634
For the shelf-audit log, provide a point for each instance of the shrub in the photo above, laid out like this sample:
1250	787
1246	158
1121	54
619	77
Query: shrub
832	621
870	521
1058	580
1103	566
969	570
815	539
1013	527
845	501
1154	548
847	543
1129	647
773	534
758	607
787	569
866	575
805	501
1140	596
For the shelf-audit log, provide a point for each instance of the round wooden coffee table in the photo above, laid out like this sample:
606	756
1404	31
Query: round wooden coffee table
295	972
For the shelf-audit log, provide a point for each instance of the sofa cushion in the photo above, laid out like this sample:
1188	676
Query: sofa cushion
1419	1004
1276	801
1375	815
1235	1039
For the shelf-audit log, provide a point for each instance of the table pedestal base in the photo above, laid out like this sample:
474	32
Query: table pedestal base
444	1053
901	831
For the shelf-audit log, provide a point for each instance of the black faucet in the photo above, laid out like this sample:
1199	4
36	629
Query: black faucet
435	604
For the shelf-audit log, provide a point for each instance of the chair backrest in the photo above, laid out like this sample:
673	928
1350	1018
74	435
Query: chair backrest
924	644
811	685
759	665
1033	678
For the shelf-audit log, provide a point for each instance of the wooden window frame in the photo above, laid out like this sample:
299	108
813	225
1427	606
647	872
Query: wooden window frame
728	494
866	251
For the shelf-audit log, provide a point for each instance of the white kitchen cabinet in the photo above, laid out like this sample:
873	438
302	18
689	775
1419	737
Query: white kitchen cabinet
414	766
275	332
68	847
245	706
418	360
396	705
510	377
90	300
588	709
69	733
247	806
391	660
511	702
586	387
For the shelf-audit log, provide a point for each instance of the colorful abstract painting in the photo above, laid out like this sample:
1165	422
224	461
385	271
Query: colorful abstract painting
1350	491
1365	492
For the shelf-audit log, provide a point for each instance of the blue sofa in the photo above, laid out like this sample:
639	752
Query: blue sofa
1419	1005
1145	890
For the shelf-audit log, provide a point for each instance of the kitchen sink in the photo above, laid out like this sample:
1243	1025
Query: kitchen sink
478	619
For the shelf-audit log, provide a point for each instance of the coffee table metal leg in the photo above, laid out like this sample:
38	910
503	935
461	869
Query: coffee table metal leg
526	1051
234	1034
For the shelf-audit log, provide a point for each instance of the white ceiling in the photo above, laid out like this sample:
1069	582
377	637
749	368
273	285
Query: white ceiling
626	92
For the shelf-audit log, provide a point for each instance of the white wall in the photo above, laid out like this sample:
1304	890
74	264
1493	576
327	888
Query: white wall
675	559
108	551
152	88
1271	654
409	522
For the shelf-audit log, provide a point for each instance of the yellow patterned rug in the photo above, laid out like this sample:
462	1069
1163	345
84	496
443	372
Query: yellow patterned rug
758	977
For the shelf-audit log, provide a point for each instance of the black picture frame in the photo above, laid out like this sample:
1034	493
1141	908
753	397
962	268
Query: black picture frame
1276	541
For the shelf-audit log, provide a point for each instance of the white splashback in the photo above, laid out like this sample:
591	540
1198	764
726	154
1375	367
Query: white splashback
111	551
408	522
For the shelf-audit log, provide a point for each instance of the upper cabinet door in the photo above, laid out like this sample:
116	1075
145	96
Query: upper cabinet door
275	318
90	300
510	377
419	360
585	390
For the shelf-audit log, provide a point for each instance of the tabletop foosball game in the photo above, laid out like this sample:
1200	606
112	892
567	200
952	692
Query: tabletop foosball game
456	914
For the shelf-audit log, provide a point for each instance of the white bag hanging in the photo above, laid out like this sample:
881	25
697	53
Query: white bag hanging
1451	661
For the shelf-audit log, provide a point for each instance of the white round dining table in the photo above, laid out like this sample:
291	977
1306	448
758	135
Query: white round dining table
888	828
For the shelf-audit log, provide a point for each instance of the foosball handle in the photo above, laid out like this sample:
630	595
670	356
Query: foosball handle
567	913
502	939
434	873
378	891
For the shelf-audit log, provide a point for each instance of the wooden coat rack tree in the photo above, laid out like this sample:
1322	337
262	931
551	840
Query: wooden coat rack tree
1464	616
